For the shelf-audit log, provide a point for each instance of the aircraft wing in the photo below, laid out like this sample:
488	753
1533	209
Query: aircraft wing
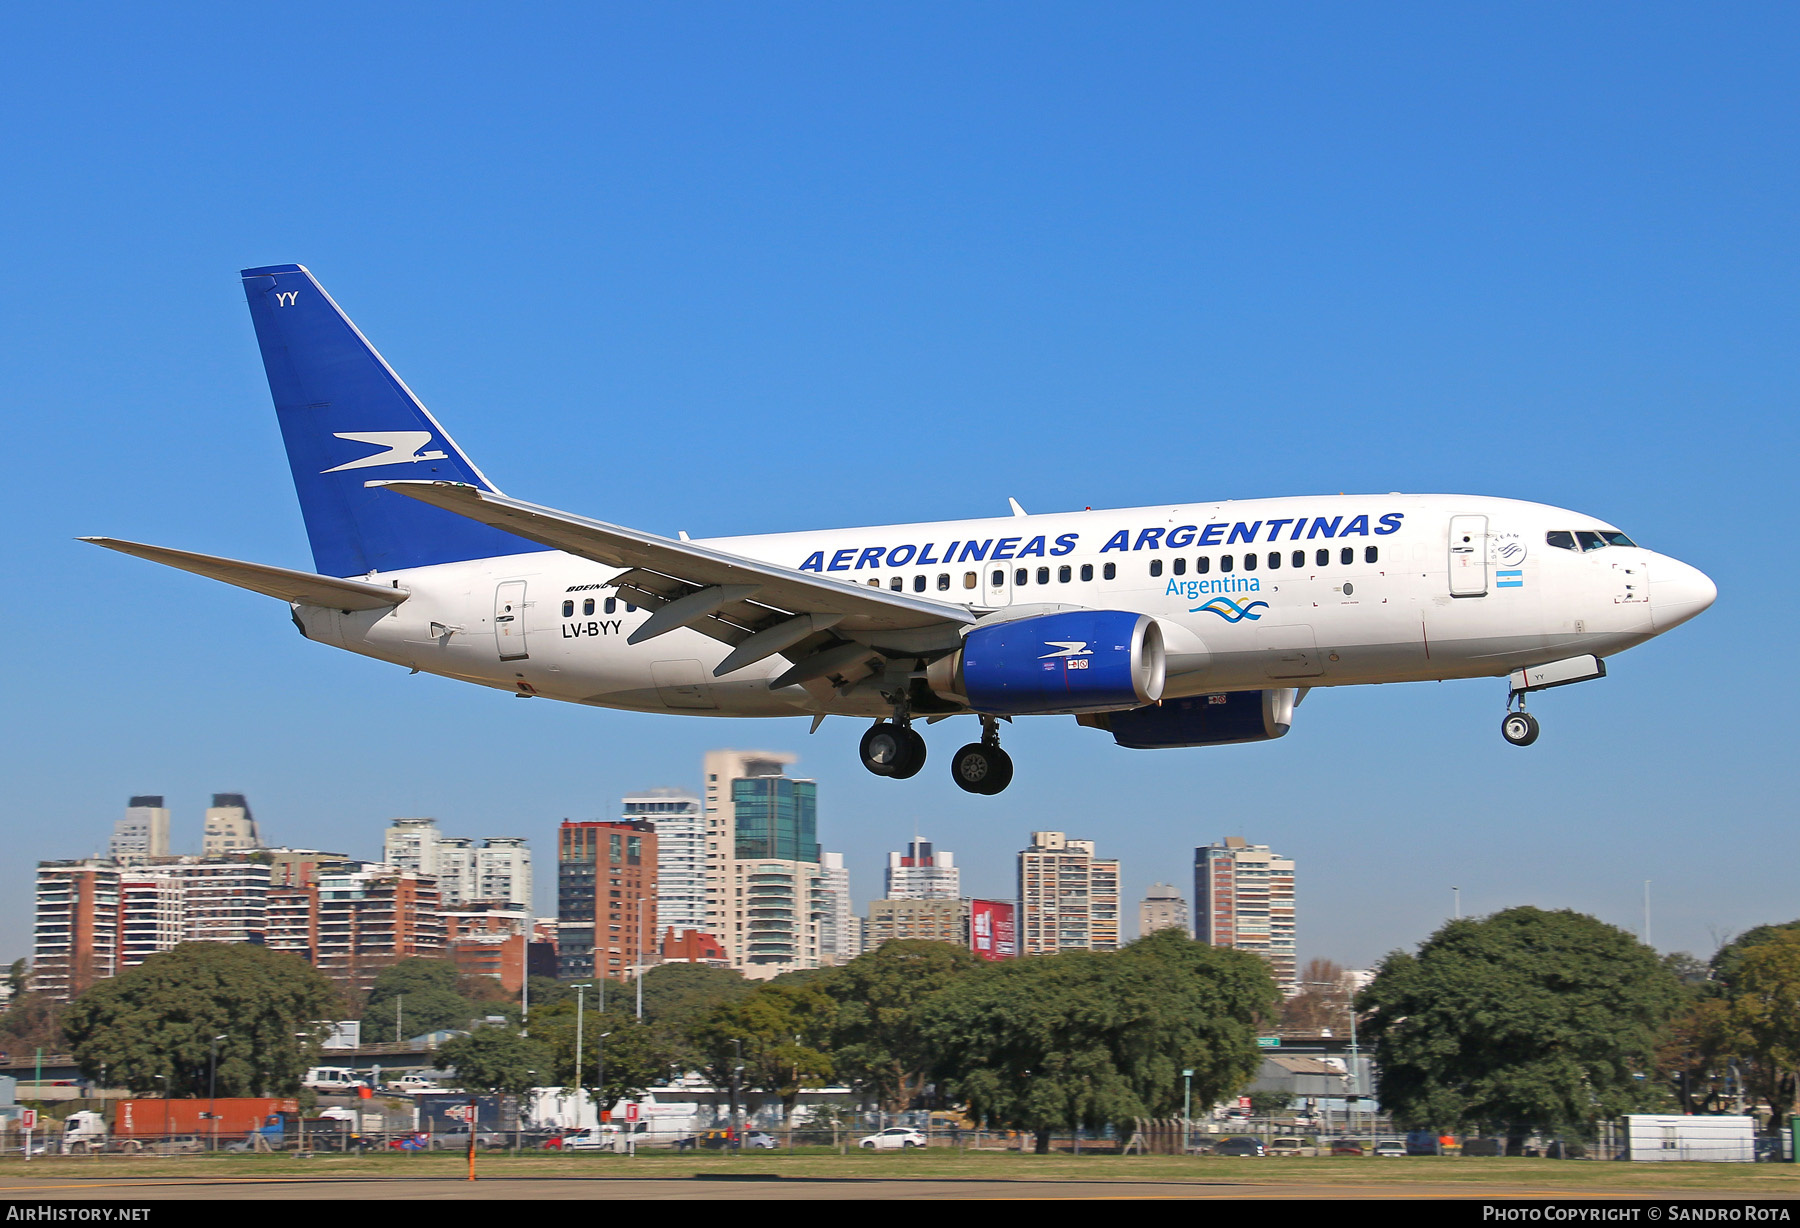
760	607
301	586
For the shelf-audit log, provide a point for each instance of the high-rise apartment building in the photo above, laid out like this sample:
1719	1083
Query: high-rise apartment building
230	827
143	832
77	926
933	920
370	919
605	899
680	854
1068	897
1244	898
840	937
498	870
1162	908
923	873
763	873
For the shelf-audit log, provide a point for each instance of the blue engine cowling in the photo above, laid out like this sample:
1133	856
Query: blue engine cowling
1077	661
1202	720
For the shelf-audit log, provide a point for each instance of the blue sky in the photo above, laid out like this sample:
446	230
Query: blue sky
736	268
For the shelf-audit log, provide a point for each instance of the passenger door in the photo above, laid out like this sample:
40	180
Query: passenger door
1468	556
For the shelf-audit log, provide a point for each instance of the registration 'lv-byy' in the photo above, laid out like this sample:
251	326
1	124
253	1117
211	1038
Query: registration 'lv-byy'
1193	625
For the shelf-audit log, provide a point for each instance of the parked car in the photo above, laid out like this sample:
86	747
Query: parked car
1346	1147
1240	1146
757	1140
1288	1145
456	1138
1390	1147
896	1138
595	1138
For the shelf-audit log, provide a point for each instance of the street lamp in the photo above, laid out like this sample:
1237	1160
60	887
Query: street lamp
1187	1104
212	1092
580	1003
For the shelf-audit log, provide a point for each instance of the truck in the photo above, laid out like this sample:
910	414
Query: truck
229	1119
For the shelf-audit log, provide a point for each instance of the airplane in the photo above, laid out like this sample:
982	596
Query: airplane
1195	624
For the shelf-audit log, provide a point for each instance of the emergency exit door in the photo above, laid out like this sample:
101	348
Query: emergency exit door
509	620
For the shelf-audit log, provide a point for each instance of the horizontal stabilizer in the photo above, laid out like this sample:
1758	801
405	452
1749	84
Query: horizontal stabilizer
301	586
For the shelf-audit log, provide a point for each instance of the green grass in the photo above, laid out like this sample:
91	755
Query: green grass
1562	1176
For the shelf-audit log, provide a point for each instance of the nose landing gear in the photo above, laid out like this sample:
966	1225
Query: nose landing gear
982	767
1520	728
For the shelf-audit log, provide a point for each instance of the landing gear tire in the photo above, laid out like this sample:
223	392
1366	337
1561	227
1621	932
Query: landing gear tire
892	750
1519	728
981	769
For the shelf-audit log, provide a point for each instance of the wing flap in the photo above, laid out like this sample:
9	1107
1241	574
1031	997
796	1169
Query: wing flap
298	586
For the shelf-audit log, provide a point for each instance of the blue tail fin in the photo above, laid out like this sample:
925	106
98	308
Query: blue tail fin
347	419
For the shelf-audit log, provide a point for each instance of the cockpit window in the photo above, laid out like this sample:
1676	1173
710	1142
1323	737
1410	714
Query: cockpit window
1599	539
1562	539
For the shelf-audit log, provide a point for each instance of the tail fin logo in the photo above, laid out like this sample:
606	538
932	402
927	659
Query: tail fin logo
402	448
1230	610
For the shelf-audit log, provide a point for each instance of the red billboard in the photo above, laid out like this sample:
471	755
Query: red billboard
993	932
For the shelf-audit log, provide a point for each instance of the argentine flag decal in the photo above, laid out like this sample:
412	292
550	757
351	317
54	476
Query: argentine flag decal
1509	579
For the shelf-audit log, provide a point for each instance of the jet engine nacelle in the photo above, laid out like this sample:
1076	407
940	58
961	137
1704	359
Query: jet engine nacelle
1202	720
1073	661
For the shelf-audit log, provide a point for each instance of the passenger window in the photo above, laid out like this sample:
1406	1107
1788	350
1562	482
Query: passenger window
998	579
874	583
943	581
918	584
1347	555
1250	562
1371	553
1022	576
1110	572
1322	559
1299	559
1087	572
630	609
1043	575
568	609
1202	565
968	579
587	607
612	603
1226	562
1274	558
1064	574
1562	539
1156	567
1180	567
897	583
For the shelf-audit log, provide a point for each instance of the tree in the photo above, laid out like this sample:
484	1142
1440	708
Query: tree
633	1055
877	1043
1323	1003
678	996
33	1021
152	1027
498	1059
1764	1012
1523	1020
779	1034
1090	1038
422	992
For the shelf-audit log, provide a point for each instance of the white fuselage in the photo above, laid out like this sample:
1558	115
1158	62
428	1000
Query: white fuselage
1344	590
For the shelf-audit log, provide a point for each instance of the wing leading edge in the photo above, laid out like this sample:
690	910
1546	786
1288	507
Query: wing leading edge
759	608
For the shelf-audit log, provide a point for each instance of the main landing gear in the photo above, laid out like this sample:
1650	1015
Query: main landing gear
893	748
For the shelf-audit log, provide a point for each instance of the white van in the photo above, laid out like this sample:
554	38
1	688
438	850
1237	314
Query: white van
333	1079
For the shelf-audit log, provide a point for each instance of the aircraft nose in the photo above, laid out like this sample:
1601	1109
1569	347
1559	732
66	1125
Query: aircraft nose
1678	592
